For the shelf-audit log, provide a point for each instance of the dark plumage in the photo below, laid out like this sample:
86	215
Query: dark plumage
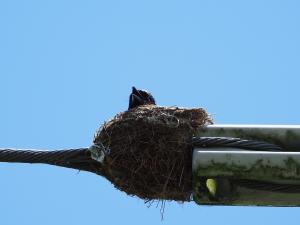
140	97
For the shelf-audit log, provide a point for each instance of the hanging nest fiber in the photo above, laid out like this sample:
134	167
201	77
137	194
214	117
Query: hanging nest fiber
150	152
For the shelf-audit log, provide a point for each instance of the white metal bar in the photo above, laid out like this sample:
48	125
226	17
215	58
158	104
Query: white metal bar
219	173
216	175
243	164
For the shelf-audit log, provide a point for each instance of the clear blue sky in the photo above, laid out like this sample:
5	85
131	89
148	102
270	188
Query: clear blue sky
67	66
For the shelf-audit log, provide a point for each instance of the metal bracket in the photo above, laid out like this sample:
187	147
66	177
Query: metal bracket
98	152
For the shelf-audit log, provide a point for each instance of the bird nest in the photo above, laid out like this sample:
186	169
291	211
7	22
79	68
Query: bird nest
150	151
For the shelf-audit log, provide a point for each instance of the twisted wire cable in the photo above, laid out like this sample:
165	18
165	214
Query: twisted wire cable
71	158
81	159
39	156
204	142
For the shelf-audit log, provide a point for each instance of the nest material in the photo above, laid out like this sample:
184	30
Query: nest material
150	151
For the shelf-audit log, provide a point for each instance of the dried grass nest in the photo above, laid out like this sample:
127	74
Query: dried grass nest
150	151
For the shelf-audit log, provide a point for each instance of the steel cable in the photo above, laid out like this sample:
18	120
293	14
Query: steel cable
206	142
71	158
81	158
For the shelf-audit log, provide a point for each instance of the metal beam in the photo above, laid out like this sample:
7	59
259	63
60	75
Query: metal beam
229	176
257	165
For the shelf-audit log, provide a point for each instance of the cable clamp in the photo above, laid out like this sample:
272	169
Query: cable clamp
98	152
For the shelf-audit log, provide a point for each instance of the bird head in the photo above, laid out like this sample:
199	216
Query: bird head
140	97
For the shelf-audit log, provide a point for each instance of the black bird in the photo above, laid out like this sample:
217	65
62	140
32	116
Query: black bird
140	97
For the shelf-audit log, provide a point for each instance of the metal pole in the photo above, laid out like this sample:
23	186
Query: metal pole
256	165
230	176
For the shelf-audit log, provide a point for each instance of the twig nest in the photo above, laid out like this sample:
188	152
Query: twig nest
150	151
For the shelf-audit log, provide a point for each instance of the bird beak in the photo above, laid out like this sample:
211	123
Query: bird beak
134	90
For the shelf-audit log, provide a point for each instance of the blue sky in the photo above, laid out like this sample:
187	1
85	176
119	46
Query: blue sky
67	66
